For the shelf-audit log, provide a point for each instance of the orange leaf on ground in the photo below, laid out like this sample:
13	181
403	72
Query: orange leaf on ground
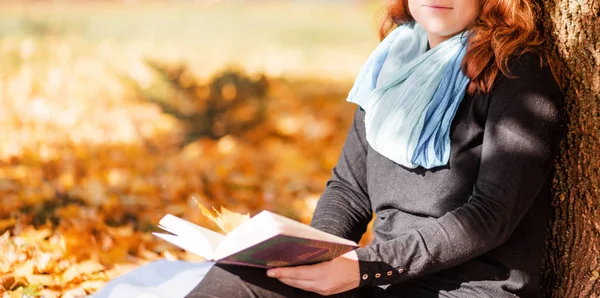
7	282
24	269
83	268
75	293
7	223
32	236
41	279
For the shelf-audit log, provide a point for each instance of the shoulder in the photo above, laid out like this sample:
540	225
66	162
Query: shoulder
529	91
527	72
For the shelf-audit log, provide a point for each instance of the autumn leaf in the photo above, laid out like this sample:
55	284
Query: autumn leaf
7	223
31	291
83	268
75	293
41	279
24	269
226	220
7	281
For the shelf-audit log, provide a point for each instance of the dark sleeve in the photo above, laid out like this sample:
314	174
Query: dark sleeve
344	208
521	136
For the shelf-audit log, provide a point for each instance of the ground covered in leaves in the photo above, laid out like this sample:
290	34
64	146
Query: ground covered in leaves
83	185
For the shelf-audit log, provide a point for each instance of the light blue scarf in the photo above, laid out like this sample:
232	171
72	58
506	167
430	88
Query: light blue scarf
411	95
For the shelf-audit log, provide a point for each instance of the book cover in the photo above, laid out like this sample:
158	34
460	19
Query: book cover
284	250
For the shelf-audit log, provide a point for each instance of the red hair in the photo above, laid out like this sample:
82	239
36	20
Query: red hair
503	29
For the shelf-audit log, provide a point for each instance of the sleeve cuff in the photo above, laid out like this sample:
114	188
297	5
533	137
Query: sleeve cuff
374	273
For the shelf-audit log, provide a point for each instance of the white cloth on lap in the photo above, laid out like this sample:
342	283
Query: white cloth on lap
157	279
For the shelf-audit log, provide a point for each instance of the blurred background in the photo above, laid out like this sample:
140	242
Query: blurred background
114	113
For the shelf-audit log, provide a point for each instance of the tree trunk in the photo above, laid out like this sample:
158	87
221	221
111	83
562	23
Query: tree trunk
572	258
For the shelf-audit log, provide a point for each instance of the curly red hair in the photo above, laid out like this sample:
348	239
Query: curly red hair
503	29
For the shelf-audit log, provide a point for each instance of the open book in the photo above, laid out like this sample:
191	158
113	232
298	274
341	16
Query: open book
266	240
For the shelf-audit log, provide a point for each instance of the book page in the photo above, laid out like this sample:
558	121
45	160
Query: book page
245	235
186	244
294	228
196	239
267	225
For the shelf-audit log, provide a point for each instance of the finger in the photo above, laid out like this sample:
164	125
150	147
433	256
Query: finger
309	272
307	285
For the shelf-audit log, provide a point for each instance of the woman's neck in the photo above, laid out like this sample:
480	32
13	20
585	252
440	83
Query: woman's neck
435	40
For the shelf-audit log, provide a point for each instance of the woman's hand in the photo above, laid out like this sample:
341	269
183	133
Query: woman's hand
327	278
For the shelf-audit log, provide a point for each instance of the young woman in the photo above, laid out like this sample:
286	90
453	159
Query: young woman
452	148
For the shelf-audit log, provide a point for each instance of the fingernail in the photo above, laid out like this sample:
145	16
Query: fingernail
270	273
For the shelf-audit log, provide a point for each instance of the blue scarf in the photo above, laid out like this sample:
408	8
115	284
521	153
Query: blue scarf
410	96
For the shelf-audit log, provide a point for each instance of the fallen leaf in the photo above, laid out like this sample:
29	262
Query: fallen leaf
170	256
7	223
75	293
92	285
7	281
86	267
33	236
41	279
595	275
24	269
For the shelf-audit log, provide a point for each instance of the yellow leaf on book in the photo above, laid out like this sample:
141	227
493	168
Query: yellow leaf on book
226	220
230	220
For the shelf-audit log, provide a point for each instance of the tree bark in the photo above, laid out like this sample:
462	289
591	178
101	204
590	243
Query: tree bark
572	258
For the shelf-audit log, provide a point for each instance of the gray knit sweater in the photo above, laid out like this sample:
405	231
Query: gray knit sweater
473	228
